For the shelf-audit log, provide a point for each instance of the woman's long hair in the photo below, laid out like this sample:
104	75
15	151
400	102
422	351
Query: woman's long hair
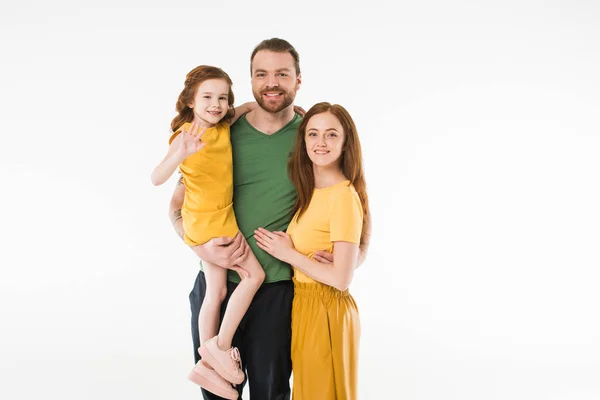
192	80
300	166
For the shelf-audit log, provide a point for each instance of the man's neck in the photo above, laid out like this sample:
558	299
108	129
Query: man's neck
269	123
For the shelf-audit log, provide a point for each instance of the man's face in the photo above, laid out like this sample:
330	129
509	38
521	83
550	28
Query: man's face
274	80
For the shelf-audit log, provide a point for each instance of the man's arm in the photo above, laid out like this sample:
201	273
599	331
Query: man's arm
243	109
364	246
223	251
175	207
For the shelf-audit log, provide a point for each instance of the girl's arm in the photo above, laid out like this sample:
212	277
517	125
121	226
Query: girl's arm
243	109
185	144
339	274
169	164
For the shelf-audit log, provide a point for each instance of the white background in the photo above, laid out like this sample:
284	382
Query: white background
479	123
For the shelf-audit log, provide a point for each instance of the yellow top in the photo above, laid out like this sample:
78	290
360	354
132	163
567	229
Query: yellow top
207	210
334	214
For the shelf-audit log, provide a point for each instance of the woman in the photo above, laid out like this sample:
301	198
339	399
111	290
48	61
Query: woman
330	214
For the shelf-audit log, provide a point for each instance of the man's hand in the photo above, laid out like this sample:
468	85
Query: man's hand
324	257
299	110
224	252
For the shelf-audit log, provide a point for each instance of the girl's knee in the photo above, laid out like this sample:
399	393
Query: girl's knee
216	296
257	277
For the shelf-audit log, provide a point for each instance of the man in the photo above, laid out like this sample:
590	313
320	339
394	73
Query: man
263	197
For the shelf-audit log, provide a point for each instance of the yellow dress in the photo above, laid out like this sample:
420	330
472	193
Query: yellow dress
207	210
325	321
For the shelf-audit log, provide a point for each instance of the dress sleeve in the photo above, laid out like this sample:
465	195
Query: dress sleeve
346	217
178	131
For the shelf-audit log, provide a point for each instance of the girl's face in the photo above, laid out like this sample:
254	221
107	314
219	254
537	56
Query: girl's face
211	101
324	139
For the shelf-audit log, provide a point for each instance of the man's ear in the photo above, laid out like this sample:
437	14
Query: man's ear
298	81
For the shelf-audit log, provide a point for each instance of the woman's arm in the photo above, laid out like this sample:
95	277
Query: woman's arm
339	274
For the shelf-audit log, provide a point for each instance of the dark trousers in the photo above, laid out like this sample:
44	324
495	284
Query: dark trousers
263	338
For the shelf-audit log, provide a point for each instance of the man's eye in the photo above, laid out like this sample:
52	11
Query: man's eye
282	74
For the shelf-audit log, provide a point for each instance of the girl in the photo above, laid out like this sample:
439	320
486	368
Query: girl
330	214
201	147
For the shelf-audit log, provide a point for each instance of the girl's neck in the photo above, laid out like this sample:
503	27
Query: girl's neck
202	123
328	176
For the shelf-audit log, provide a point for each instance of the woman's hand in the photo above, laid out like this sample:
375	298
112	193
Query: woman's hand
191	140
278	244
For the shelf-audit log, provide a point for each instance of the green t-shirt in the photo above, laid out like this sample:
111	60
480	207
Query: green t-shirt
263	195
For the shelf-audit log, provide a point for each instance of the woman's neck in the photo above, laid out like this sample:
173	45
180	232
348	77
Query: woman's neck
328	176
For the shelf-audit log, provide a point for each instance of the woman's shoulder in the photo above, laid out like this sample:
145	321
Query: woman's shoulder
344	191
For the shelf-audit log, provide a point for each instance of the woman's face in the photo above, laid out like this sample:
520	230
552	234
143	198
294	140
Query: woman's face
324	139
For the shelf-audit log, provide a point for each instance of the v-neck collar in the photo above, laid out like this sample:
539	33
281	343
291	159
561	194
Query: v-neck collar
296	116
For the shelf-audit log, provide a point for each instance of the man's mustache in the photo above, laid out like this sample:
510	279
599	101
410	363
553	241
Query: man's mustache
272	89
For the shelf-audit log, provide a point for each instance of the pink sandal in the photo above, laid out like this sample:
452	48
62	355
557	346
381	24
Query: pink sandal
210	380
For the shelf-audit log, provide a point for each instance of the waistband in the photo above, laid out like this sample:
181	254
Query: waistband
317	288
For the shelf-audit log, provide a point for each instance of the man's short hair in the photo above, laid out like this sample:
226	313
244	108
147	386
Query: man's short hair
278	46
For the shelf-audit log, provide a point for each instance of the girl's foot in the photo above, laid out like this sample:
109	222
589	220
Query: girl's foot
227	363
209	379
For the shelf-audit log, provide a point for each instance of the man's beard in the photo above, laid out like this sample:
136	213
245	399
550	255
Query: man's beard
288	99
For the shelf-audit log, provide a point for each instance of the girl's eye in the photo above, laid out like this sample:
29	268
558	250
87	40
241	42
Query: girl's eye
223	98
207	97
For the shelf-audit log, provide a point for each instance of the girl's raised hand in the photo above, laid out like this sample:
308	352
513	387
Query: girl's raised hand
191	140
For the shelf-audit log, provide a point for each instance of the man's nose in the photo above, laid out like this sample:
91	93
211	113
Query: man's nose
272	81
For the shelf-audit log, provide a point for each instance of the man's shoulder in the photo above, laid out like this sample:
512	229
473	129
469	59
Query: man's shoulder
240	123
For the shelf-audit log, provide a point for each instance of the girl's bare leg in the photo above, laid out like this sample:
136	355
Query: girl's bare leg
217	351
210	311
240	300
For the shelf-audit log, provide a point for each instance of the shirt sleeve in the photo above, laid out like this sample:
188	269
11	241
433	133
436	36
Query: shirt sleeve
346	217
178	131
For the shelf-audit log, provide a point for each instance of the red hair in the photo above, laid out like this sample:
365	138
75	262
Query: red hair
192	80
